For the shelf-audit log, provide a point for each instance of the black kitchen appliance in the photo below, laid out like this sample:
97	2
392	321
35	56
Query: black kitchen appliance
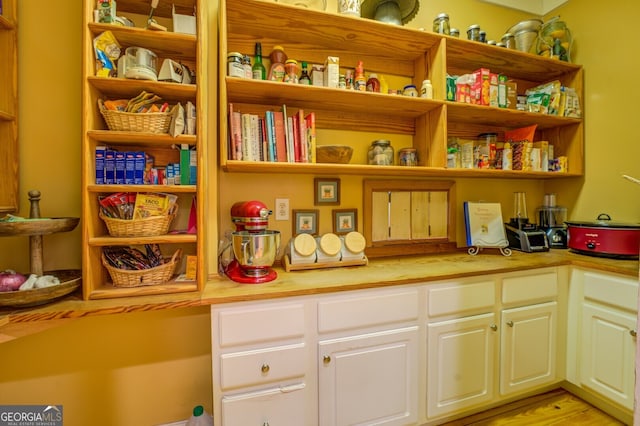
551	219
521	234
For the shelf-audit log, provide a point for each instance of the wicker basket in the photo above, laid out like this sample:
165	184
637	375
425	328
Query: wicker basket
152	122
143	277
147	227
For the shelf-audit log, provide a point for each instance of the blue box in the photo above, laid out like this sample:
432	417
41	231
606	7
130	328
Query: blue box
129	167
110	167
120	167
139	168
101	152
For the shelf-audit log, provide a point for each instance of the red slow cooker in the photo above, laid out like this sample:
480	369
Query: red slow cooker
604	238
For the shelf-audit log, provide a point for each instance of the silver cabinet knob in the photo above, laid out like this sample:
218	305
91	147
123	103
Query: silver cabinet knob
493	327
510	323
265	368
326	359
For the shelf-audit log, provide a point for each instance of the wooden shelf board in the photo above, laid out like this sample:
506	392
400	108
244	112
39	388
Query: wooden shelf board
235	166
6	23
140	188
503	117
177	46
140	138
246	91
470	55
106	240
5	116
108	291
124	88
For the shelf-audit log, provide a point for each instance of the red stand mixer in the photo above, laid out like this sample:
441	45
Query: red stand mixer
254	246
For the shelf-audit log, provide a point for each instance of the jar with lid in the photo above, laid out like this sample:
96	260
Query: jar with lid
454	32
278	59
487	150
408	157
410	90
483	36
441	24
380	153
235	68
473	32
509	41
291	71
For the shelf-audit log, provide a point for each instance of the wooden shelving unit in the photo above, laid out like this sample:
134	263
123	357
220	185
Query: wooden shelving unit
9	107
400	52
190	50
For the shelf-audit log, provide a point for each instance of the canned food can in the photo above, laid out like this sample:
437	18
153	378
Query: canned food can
408	157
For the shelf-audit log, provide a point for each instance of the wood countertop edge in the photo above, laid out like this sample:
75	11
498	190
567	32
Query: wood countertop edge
380	273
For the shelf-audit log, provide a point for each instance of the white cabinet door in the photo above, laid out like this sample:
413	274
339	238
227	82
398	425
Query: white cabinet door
608	352
528	347
277	406
461	363
369	379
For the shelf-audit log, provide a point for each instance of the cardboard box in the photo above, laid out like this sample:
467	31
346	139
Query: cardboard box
493	90
185	24
139	169
110	167
120	167
502	91
543	162
482	78
332	72
101	152
317	75
451	88
512	94
129	167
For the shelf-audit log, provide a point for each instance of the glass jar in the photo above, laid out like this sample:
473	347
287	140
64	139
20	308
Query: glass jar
291	71
408	157
410	90
509	41
441	24
473	32
381	153
235	68
454	32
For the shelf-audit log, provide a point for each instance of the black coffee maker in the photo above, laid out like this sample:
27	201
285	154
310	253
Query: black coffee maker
551	219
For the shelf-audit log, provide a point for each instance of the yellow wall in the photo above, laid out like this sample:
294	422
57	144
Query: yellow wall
152	367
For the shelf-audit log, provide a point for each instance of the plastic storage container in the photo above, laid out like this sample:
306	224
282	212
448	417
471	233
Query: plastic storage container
200	417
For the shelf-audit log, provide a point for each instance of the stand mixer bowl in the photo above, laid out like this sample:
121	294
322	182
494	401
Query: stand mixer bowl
255	251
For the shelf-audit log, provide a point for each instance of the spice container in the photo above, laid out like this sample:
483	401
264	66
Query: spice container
291	71
454	32
473	32
373	84
408	157
381	153
509	41
426	91
235	68
441	24
410	90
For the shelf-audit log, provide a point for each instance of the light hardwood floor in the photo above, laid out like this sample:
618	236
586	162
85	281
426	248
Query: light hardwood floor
557	407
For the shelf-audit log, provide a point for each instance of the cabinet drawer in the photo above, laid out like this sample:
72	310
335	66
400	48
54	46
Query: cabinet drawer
349	312
283	406
262	366
238	326
616	291
530	288
456	298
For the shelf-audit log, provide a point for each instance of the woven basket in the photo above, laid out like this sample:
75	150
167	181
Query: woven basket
147	227
152	122
143	277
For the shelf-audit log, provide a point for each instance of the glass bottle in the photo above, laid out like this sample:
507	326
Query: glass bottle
373	84
291	71
360	82
258	71
426	91
278	58
304	75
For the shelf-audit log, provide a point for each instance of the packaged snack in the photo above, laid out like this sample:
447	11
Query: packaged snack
107	51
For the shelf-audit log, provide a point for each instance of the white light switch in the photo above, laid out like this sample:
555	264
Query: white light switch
282	209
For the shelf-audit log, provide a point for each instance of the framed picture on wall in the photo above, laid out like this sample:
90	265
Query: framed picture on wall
305	222
327	191
345	220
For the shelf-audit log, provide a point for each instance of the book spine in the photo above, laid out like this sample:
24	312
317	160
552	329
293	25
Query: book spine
185	158
302	129
193	167
256	144
311	135
246	137
271	142
281	144
296	138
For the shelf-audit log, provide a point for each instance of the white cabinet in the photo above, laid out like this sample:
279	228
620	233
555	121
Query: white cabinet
461	363
369	379
608	336
471	330
368	358
528	347
261	364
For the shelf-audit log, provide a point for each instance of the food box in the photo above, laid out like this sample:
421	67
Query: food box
332	72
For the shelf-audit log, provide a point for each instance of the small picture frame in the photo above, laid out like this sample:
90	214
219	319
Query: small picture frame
345	221
327	191
305	222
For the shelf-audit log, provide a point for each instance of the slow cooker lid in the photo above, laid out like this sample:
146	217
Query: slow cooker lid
603	221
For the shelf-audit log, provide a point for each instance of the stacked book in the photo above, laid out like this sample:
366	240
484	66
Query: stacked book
273	137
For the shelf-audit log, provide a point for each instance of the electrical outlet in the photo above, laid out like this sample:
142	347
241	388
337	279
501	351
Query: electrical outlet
282	209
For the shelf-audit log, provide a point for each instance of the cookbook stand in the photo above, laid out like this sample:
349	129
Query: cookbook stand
483	222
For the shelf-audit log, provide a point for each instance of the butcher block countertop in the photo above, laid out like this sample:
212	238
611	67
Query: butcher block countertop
382	272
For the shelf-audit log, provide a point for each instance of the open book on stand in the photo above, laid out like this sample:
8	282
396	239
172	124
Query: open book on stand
484	225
